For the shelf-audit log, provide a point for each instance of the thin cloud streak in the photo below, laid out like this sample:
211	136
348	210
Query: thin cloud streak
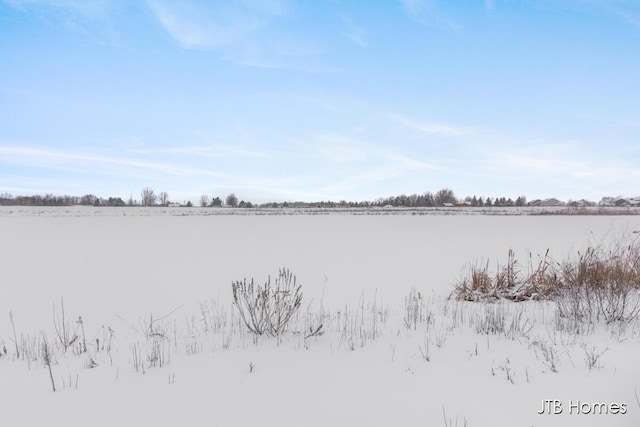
29	184
106	160
415	7
357	180
414	164
236	31
200	28
425	12
92	9
427	127
627	11
352	31
202	151
339	149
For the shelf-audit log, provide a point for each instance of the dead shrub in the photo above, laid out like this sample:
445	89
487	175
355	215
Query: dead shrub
266	309
602	283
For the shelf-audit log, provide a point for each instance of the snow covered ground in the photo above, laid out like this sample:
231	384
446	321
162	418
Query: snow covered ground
124	270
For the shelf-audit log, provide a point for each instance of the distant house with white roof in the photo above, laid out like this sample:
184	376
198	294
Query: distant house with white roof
620	201
547	202
581	203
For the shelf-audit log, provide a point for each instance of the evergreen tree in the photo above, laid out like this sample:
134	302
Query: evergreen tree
429	200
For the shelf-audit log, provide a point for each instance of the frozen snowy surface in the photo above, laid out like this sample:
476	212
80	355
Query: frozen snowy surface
119	267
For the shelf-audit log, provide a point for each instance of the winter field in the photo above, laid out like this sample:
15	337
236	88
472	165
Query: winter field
142	300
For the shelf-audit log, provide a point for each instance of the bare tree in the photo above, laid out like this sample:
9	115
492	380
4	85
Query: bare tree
231	200
204	201
163	198
149	198
444	196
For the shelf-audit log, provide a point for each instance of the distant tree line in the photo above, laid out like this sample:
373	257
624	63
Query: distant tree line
231	201
148	197
52	200
444	197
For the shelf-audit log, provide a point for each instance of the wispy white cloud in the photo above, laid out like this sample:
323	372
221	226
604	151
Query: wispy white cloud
21	184
427	12
426	127
417	7
352	31
218	151
338	148
410	163
632	18
270	7
341	149
349	164
296	48
277	56
245	32
627	11
544	165
356	180
628	123
88	22
564	169
339	164
25	155
198	27
94	9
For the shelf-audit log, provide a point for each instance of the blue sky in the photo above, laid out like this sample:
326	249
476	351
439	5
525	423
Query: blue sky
320	100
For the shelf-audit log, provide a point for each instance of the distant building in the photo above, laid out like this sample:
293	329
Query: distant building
607	201
632	201
547	202
582	203
552	202
620	201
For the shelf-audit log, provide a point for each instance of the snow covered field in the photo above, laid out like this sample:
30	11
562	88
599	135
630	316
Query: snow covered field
124	270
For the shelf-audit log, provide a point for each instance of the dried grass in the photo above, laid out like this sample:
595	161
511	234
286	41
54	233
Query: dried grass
599	283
